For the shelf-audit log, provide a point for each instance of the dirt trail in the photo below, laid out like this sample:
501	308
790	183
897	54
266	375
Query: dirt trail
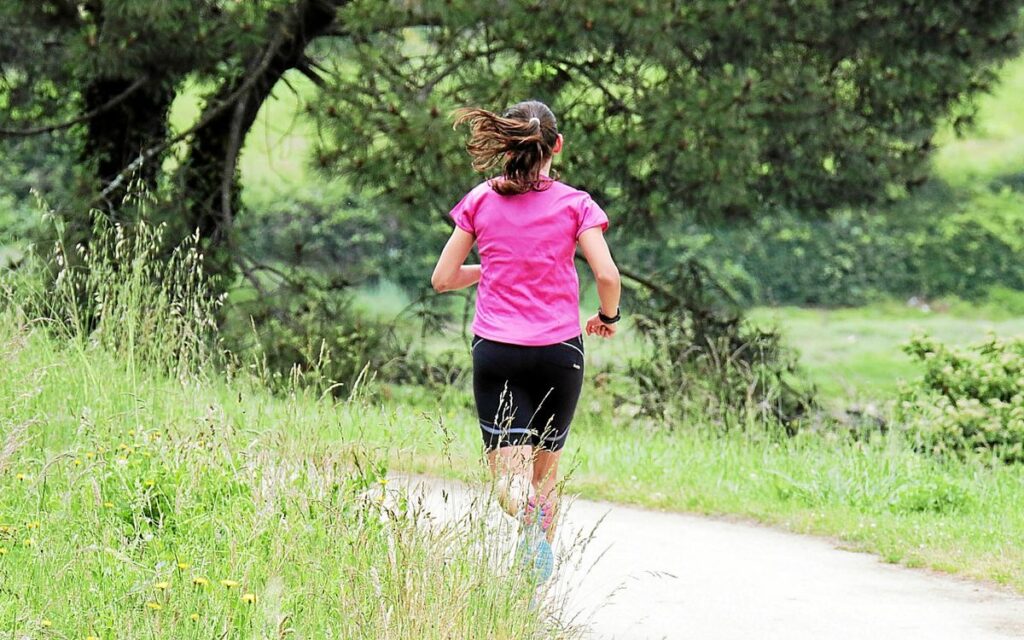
644	574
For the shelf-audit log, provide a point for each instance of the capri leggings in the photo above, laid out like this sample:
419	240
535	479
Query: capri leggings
526	395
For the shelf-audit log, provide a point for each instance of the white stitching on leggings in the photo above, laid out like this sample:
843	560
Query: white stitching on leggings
569	344
473	347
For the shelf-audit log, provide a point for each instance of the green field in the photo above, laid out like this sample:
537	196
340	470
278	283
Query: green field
854	355
995	146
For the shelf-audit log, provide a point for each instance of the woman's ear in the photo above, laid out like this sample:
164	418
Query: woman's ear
557	148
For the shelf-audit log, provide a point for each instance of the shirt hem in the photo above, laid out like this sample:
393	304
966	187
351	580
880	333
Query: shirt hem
529	342
603	224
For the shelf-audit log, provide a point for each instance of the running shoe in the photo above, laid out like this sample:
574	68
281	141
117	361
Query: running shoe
534	551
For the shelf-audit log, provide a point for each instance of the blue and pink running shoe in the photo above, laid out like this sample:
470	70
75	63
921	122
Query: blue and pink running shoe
534	552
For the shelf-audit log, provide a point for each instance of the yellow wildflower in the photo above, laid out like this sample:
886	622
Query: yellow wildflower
29	542
229	583
249	597
162	586
183	565
154	606
383	481
194	617
78	462
3	551
150	483
131	432
91	638
200	582
21	477
109	505
32	525
90	455
46	623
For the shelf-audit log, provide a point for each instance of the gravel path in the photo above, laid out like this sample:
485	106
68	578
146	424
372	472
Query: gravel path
628	573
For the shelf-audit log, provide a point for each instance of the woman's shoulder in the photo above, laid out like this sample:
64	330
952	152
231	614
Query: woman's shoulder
569	191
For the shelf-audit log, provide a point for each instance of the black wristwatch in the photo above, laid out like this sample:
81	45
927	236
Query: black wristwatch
605	319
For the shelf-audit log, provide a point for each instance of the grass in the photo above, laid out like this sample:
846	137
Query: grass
877	496
150	487
137	506
853	355
993	147
121	476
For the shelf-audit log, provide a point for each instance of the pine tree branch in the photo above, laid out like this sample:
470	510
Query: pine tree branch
208	117
103	108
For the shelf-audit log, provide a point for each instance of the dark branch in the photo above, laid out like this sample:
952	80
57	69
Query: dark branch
211	113
103	108
311	70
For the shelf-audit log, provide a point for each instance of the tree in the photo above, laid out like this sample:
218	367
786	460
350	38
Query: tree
670	107
676	109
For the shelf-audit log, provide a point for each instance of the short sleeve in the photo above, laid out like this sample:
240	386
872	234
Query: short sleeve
463	213
591	215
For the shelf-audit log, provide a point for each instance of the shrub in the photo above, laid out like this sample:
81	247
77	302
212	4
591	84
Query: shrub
704	358
929	246
306	330
970	401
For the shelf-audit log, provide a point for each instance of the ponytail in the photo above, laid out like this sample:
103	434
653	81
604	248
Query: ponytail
520	141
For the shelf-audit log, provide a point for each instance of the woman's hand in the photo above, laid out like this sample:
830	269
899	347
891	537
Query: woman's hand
597	328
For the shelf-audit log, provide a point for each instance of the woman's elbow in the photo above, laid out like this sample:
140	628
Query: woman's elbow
608	277
440	284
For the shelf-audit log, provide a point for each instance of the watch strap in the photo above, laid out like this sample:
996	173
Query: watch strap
608	319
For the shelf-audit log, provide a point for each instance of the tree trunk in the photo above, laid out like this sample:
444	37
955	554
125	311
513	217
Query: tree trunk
209	174
115	137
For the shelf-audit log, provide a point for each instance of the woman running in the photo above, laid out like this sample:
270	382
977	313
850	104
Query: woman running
527	345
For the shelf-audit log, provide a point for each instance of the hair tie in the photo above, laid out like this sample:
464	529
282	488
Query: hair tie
535	121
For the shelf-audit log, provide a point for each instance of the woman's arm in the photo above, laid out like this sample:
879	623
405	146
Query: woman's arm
609	284
450	273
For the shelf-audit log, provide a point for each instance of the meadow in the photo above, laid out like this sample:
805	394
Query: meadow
139	505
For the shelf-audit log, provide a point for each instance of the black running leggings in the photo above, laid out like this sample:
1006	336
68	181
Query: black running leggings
526	395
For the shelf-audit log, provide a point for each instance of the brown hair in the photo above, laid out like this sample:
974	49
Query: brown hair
520	139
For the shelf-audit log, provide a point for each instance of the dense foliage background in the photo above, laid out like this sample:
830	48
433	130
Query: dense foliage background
675	112
780	152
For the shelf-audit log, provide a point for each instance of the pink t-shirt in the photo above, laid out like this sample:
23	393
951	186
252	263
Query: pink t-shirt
529	293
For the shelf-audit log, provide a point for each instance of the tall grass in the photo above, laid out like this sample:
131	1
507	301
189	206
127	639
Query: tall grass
125	292
143	495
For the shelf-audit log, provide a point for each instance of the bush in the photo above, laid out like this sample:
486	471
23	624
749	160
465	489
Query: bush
341	234
704	359
970	401
304	329
922	248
